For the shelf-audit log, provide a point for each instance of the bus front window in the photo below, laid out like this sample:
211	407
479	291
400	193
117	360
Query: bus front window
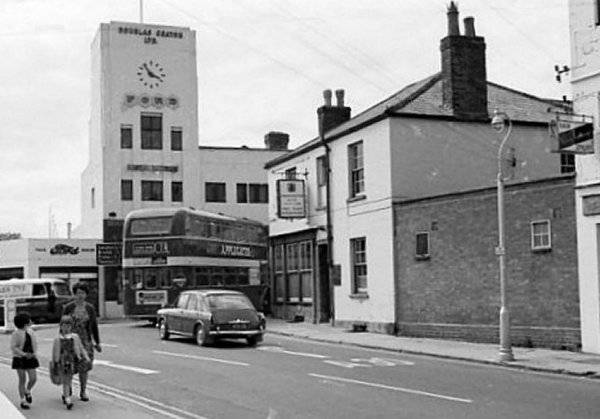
150	279
137	282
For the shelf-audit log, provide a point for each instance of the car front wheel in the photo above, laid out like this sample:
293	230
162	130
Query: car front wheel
202	337
253	340
163	330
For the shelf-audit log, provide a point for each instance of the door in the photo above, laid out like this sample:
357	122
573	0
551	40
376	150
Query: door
175	316
324	296
188	319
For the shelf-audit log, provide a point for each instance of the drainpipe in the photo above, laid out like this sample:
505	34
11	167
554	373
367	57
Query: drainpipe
328	221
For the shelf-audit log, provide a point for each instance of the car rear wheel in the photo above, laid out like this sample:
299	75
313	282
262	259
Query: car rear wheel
201	336
163	330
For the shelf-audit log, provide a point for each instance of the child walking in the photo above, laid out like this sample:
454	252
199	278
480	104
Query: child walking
66	351
23	345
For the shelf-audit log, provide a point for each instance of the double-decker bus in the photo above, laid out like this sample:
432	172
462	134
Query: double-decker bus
167	250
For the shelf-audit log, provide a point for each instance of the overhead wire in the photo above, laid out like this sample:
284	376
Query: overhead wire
331	58
364	59
489	147
251	47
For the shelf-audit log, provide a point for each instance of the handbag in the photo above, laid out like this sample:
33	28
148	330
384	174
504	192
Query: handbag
55	376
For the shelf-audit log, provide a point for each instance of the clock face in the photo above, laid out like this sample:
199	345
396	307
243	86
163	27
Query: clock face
151	74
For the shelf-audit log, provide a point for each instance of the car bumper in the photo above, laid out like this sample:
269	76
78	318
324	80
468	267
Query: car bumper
235	333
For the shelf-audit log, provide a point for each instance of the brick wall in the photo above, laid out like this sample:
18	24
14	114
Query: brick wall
455	293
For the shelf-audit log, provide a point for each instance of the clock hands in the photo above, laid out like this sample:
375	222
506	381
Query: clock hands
151	73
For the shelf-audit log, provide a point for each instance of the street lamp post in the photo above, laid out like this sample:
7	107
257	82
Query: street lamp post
499	122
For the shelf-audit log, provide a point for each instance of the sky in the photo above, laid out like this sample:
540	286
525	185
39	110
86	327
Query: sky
262	66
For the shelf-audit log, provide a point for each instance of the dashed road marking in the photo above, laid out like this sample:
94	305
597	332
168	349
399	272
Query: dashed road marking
104	345
346	364
202	358
283	351
386	387
383	362
111	364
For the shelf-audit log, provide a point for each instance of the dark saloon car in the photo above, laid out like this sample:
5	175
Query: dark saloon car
207	315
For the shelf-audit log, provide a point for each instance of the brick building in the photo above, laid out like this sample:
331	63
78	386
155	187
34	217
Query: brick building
365	177
447	284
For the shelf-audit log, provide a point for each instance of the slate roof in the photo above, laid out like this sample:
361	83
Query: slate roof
424	99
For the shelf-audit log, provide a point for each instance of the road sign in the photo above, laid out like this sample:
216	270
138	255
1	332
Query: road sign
10	310
109	254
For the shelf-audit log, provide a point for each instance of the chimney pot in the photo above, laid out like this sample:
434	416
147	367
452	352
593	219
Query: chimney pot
339	95
329	116
327	97
469	26
453	28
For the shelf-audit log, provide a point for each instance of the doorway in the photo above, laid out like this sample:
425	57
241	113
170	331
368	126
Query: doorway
324	296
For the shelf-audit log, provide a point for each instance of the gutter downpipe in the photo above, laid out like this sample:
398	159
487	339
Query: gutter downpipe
328	222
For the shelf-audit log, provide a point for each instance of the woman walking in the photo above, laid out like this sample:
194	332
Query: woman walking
86	326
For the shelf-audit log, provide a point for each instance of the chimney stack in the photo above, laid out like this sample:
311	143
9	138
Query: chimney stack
330	116
464	79
275	140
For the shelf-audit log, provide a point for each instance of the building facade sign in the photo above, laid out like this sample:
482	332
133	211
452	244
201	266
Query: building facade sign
591	205
149	35
152	168
156	101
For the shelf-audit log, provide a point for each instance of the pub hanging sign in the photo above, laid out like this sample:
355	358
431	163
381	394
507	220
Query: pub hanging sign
574	133
291	198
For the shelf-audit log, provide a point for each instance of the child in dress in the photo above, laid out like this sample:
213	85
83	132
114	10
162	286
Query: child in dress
66	351
23	345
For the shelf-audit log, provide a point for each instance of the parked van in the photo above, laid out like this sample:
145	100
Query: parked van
45	301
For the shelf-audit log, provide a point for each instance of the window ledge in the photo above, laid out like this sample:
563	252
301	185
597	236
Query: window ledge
422	257
356	198
541	249
359	296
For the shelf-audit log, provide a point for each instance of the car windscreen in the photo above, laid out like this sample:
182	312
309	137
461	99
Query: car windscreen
229	301
61	289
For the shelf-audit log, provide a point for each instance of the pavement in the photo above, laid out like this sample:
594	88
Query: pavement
109	405
535	359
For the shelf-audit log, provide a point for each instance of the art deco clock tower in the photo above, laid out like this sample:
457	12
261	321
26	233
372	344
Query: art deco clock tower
144	120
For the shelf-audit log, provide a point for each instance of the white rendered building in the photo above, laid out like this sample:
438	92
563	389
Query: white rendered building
584	16
144	134
143	141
